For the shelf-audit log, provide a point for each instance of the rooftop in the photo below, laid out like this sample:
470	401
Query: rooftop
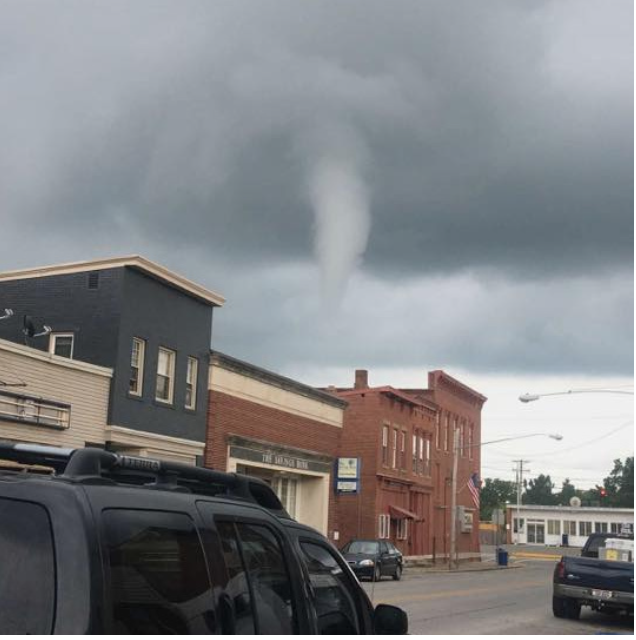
140	263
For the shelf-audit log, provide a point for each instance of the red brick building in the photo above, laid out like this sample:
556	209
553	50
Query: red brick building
280	430
404	438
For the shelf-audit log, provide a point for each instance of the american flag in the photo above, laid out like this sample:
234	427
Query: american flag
474	485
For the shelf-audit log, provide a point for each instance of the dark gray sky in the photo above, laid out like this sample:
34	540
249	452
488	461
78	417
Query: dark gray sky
383	184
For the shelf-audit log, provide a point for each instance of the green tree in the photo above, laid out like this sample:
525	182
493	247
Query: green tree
568	491
620	484
494	494
539	491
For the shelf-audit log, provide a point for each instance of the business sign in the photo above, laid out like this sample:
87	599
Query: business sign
347	475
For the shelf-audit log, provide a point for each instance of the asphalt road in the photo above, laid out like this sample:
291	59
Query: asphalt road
514	601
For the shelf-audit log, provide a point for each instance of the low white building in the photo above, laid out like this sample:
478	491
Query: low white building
542	525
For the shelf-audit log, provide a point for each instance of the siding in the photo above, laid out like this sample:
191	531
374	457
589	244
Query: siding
85	387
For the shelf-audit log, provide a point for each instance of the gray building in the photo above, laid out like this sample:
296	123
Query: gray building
151	326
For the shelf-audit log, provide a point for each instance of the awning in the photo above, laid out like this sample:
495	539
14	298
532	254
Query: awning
399	513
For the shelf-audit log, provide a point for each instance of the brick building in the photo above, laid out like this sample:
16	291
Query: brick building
278	429
404	439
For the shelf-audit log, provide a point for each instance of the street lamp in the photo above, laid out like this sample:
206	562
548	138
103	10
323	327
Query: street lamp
453	540
531	397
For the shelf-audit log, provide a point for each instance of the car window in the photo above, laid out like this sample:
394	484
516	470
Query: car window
362	546
333	599
237	586
258	580
27	569
157	580
383	547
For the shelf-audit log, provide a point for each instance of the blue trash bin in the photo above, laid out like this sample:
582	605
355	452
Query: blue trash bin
502	557
565	540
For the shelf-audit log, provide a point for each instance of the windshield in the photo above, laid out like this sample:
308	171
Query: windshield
362	546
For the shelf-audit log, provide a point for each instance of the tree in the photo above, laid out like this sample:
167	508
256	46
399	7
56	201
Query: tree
619	485
494	494
568	491
539	491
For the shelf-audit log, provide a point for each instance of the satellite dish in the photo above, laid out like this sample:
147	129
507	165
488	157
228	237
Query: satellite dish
575	501
28	328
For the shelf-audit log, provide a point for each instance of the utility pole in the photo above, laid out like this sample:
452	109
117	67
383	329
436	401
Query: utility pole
519	471
453	519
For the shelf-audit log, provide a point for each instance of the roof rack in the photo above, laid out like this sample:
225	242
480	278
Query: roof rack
97	466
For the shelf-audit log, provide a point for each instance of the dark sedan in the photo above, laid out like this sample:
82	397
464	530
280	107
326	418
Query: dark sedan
373	559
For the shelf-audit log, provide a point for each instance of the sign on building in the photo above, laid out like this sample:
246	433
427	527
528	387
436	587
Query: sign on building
347	475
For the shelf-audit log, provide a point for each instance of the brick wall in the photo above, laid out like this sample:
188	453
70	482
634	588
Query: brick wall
230	415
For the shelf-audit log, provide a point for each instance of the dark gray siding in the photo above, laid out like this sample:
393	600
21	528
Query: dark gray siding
162	316
67	304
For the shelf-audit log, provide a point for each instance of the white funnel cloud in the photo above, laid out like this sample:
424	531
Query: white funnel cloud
341	202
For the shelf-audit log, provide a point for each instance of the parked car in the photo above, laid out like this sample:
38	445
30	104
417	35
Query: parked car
589	580
374	559
114	544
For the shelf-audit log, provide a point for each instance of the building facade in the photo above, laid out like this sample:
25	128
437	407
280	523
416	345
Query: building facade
404	439
547	525
278	429
51	400
152	327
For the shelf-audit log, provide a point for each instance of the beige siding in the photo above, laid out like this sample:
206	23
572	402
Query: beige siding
85	387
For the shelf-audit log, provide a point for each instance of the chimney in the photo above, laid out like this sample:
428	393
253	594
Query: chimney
362	379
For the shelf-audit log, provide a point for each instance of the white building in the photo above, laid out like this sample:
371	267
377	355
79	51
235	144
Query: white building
536	524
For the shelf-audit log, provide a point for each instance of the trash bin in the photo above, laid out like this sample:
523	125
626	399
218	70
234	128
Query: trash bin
565	540
502	557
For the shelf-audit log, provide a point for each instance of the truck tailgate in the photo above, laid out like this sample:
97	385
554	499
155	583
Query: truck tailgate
599	574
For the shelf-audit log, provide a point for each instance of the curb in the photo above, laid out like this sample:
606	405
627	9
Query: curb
513	565
541	556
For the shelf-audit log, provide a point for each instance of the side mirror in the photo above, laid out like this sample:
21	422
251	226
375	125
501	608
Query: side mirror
390	620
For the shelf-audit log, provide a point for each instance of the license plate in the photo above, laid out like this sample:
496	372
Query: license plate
604	595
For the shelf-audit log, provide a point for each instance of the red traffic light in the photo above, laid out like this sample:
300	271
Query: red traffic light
603	493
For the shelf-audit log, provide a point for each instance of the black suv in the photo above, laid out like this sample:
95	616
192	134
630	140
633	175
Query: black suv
115	544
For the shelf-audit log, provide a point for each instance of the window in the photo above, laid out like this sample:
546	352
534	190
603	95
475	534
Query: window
268	577
446	433
600	527
61	344
137	356
585	528
191	383
554	527
615	527
517	525
402	532
462	430
426	465
165	375
569	527
403	450
385	445
394	449
27	569
285	489
471	436
415	438
384	526
156	573
437	430
333	598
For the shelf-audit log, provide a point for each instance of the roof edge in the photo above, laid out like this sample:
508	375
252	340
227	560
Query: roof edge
135	261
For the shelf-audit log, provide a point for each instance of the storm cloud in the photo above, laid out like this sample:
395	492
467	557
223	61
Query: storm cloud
390	182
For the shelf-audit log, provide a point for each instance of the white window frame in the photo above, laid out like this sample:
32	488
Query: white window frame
600	527
192	383
141	358
427	456
554	527
172	361
403	437
585	528
402	532
462	434
471	438
447	439
438	427
394	448
384	526
61	334
615	527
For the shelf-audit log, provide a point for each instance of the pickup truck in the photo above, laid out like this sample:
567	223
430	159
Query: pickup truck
587	580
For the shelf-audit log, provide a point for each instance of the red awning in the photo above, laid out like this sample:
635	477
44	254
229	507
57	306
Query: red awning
399	513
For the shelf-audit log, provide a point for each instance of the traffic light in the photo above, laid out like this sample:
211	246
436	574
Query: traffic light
603	493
